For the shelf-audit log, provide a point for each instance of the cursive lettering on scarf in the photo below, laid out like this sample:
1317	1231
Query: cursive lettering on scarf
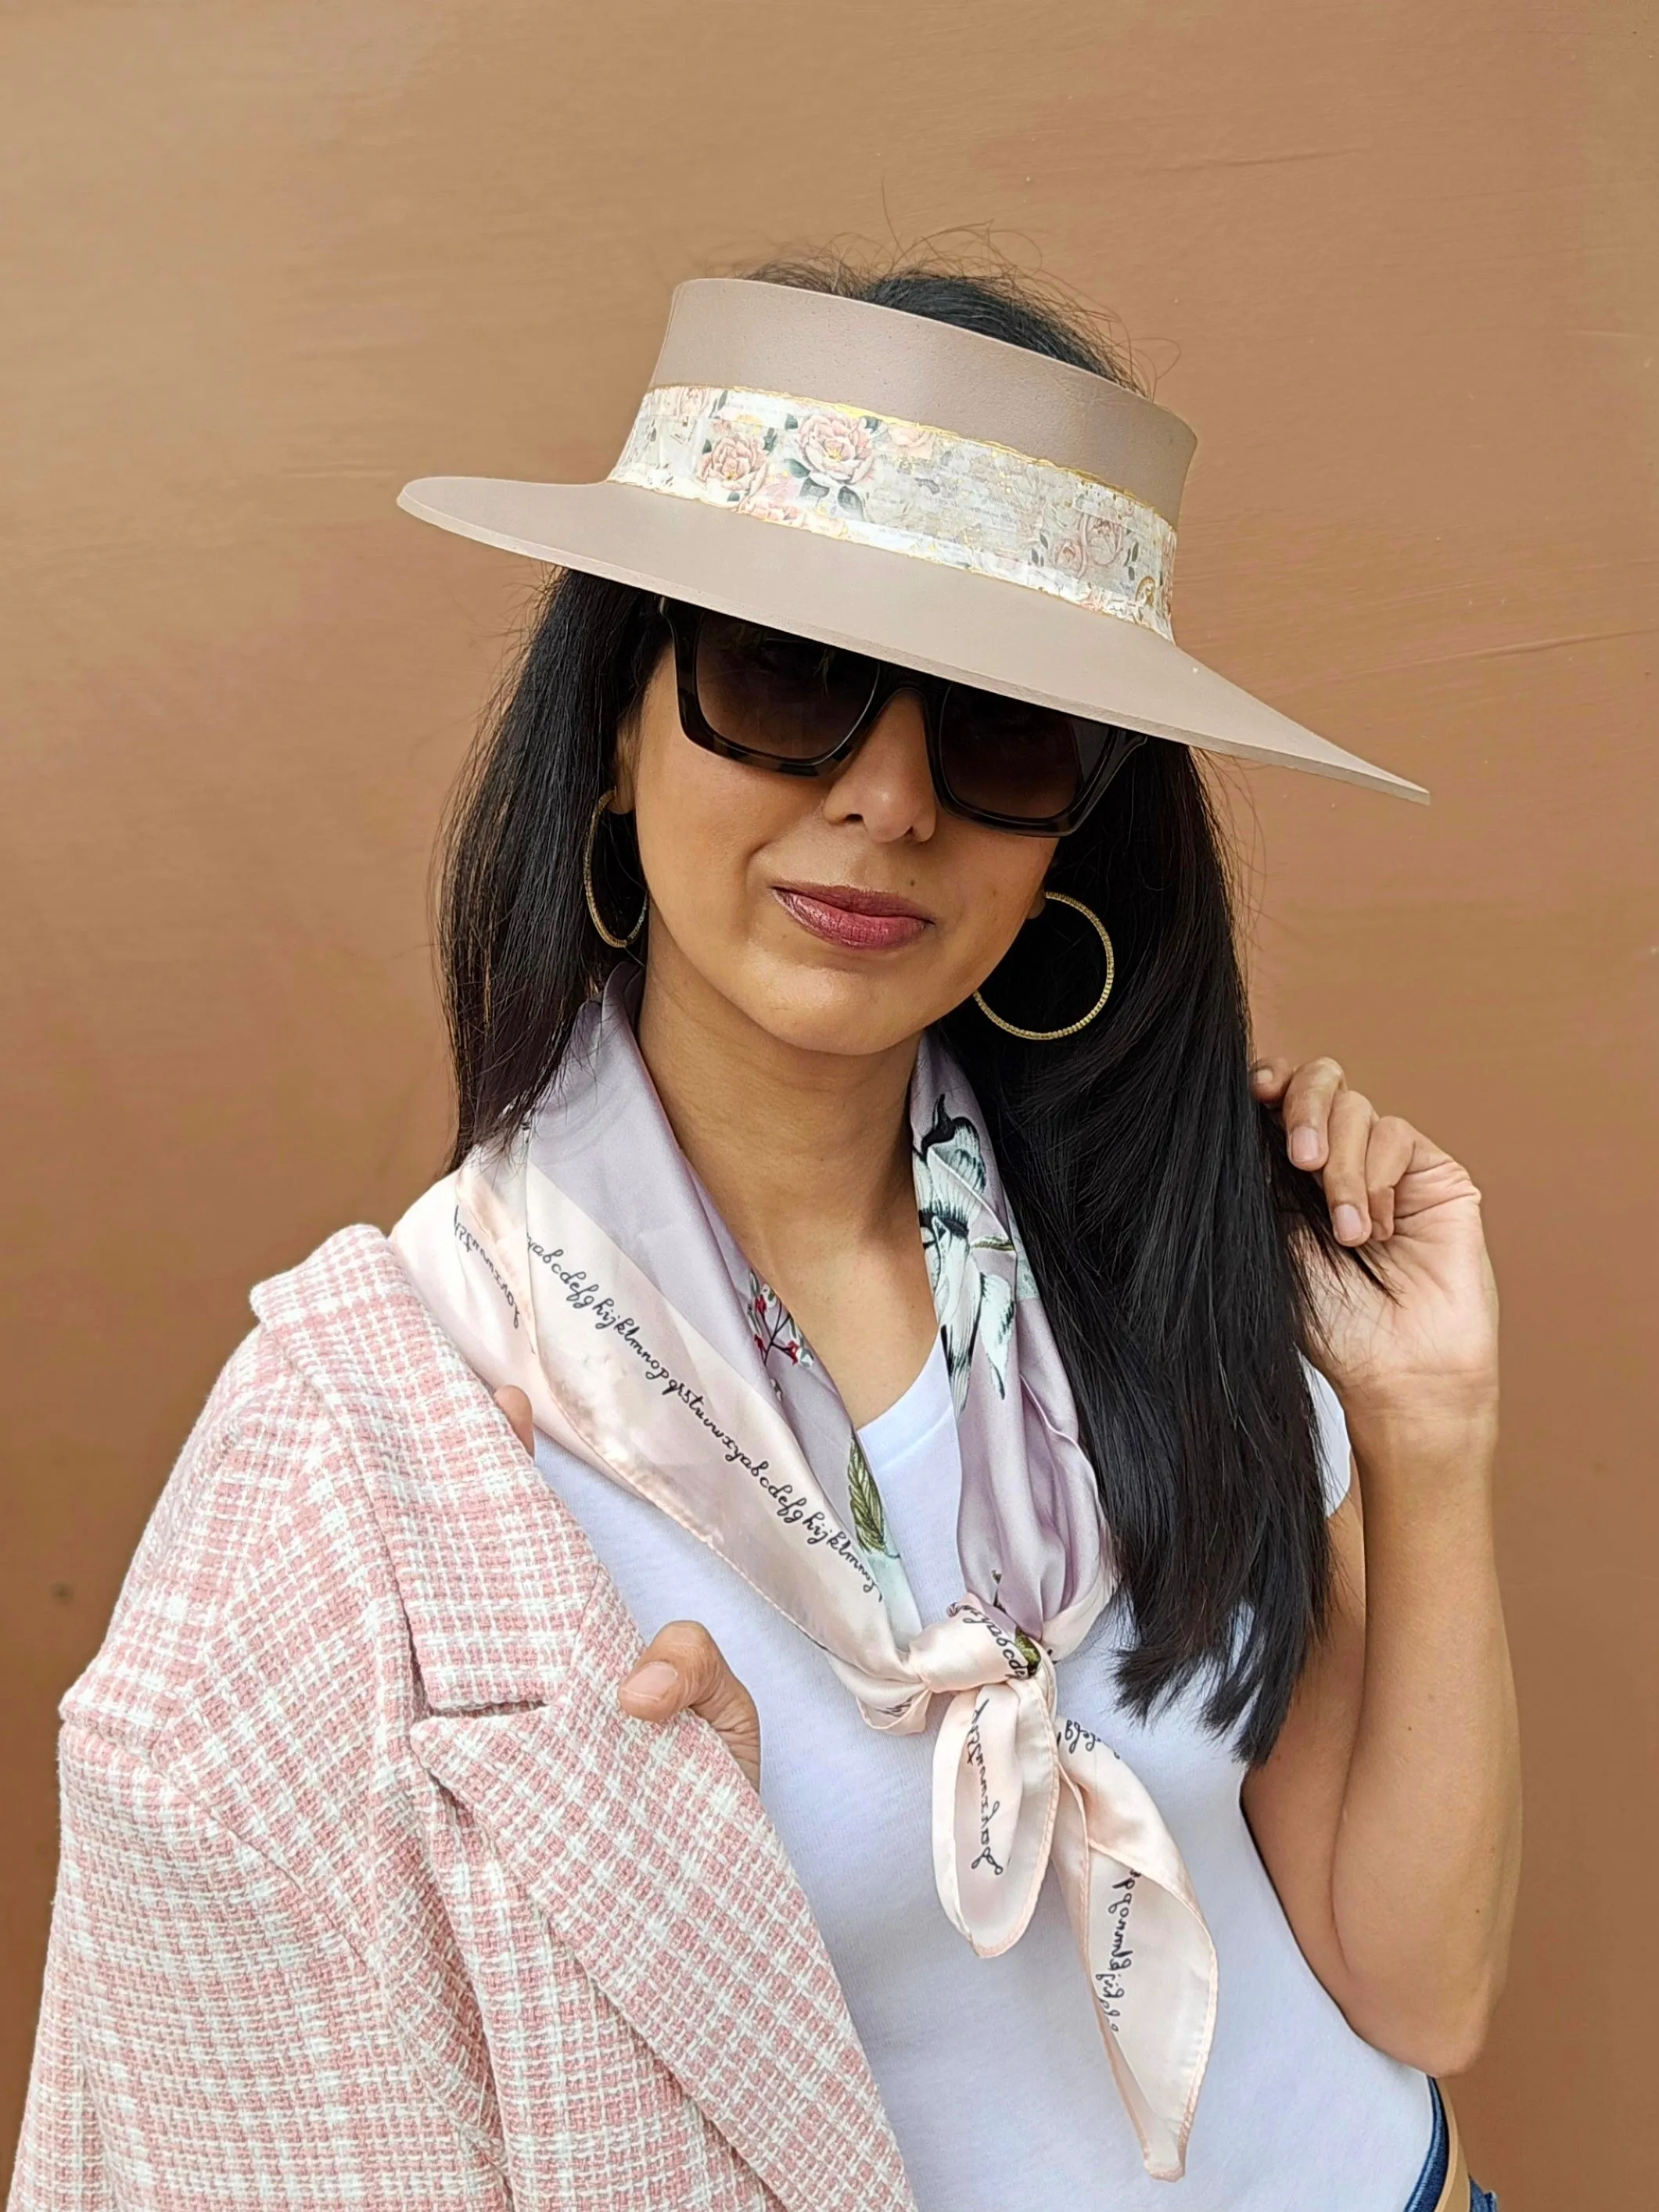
469	1242
1110	1979
988	1807
1072	1736
1018	1651
585	1296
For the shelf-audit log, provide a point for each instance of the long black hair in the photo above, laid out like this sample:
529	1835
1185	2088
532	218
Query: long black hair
1162	1219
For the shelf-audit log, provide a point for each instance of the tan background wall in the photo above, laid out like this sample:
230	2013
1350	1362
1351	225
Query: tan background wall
267	258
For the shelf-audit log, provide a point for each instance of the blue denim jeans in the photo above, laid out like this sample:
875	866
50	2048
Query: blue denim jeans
1433	2179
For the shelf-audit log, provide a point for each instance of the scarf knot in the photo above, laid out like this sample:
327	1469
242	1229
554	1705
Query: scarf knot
996	1772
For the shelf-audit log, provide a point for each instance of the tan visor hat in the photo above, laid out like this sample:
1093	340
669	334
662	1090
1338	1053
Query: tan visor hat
886	483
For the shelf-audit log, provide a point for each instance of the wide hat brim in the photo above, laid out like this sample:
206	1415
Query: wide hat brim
931	565
945	621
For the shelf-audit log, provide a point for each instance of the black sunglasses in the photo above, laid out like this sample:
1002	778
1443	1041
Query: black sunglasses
780	702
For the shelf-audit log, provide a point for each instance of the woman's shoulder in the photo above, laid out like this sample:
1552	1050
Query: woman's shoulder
254	1516
322	1530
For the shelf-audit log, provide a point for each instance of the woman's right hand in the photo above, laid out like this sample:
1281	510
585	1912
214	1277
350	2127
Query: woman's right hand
682	1669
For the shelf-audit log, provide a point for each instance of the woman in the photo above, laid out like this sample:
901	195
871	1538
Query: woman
842	986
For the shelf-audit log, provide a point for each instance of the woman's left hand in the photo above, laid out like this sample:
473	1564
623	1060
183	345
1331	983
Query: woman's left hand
1426	1347
1389	1813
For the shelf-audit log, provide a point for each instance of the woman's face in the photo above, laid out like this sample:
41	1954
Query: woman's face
841	915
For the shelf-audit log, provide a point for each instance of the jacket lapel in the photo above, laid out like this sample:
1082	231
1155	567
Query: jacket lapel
649	1856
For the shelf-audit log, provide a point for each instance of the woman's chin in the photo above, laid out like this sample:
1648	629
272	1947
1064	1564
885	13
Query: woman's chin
855	1017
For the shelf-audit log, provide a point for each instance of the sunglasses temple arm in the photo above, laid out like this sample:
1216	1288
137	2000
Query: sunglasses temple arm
1125	744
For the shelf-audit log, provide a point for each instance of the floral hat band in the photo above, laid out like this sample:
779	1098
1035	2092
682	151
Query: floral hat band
847	472
918	470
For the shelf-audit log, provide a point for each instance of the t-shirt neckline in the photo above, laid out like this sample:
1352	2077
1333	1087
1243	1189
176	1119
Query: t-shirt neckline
911	1419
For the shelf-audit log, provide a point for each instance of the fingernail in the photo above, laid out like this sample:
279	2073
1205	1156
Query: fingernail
1304	1148
1261	1072
1349	1223
652	1680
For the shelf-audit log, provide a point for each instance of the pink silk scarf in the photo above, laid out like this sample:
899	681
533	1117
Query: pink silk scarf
586	1265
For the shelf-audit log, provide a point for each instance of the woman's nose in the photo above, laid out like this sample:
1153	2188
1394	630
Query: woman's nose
888	784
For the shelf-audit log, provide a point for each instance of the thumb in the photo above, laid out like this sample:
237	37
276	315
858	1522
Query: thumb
682	1669
516	1406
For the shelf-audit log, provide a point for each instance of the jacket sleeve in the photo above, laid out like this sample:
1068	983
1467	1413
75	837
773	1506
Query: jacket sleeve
60	2161
212	2035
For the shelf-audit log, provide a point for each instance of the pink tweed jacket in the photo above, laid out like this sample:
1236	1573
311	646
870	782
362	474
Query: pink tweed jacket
369	1896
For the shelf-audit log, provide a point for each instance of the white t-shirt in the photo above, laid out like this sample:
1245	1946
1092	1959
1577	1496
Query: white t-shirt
992	2070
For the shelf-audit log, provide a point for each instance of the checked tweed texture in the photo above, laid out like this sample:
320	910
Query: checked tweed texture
368	1895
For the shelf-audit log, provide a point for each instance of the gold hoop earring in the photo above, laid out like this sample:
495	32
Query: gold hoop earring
617	943
1051	1037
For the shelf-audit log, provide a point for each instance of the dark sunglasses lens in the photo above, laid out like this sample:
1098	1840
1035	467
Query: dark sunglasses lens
777	694
1007	757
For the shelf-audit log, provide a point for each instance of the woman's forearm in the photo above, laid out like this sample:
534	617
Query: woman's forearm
1427	1851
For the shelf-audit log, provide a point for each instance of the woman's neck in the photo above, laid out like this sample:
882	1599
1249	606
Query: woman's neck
806	1156
788	1143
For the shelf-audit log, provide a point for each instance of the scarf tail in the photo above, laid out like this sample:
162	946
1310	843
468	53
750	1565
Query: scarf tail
1148	1954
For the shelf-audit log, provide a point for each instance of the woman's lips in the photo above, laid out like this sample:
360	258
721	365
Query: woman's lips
866	922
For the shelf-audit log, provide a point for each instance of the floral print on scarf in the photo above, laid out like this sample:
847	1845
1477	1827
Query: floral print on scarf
773	1327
